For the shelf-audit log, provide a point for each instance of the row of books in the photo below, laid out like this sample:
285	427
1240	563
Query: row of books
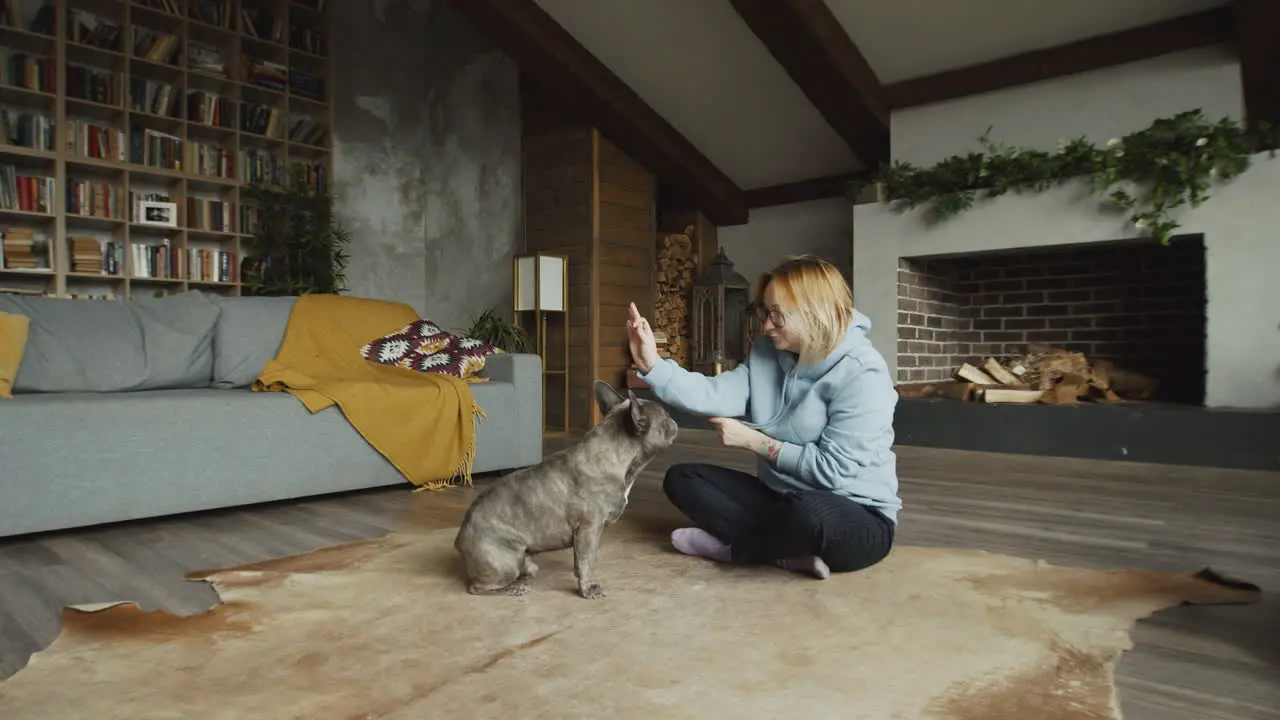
20	249
98	85
149	260
93	139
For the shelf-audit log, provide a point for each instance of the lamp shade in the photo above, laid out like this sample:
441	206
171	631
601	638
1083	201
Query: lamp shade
541	282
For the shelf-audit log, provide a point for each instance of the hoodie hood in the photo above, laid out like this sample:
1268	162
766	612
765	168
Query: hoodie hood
855	341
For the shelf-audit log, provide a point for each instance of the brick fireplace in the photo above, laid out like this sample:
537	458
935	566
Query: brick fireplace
1236	227
1201	316
1138	304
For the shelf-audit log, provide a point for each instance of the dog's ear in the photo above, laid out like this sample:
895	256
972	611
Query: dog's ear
639	419
606	397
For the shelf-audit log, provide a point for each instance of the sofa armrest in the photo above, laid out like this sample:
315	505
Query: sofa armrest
524	372
517	368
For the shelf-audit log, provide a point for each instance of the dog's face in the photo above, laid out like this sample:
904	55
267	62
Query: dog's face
645	420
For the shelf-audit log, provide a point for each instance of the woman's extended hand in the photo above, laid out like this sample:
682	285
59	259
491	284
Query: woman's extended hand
644	351
734	434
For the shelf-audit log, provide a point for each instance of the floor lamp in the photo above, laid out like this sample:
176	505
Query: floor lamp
541	290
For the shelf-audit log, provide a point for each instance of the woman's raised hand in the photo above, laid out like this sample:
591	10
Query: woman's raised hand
644	351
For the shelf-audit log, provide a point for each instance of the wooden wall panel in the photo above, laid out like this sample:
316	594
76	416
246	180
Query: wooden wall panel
628	223
558	165
585	198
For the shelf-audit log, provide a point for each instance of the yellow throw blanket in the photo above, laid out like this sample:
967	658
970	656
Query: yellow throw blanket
423	423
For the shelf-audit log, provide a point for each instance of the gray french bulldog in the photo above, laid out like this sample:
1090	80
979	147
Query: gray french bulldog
566	501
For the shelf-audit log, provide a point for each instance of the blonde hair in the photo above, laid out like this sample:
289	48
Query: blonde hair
822	300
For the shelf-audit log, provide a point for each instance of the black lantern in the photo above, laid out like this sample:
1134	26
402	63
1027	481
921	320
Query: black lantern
718	317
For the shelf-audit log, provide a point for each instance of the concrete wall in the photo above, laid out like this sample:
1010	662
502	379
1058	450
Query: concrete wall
820	227
1239	220
426	158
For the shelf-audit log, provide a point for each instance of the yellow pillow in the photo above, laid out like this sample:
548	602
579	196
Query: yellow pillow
13	342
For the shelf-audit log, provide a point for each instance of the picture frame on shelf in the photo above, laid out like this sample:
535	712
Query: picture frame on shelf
158	214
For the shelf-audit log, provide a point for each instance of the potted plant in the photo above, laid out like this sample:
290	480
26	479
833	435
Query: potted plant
496	331
299	245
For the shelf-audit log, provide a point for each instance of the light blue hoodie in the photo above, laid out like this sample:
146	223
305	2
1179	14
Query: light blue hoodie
834	418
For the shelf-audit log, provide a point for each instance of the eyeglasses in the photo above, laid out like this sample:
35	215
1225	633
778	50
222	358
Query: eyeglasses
773	315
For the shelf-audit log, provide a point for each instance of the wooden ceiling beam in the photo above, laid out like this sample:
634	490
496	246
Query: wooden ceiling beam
1187	32
820	188
563	67
813	47
1257	23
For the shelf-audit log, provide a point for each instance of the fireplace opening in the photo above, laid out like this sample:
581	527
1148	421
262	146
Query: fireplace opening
1136	305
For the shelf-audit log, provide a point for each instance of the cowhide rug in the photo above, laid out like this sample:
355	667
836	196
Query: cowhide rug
384	629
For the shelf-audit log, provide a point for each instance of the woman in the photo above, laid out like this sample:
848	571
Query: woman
819	402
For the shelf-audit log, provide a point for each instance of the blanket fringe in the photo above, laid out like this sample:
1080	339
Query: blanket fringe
463	471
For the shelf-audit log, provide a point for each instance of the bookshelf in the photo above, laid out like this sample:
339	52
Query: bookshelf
108	107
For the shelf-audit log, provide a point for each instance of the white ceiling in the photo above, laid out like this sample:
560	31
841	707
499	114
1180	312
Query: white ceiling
908	38
698	65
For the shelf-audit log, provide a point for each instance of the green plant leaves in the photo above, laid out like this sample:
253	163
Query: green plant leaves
498	332
299	245
1148	173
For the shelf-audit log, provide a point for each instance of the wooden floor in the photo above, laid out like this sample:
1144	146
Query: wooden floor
1201	663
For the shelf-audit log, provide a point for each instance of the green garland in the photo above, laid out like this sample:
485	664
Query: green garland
1147	173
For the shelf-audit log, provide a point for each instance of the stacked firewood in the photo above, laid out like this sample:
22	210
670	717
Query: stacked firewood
673	278
1044	374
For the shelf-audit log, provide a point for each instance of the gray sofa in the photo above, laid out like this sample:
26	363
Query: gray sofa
142	408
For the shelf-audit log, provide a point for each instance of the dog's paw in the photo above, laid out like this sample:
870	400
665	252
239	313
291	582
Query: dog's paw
592	592
515	589
530	569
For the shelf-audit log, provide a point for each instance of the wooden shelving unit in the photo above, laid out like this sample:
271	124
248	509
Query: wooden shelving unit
120	101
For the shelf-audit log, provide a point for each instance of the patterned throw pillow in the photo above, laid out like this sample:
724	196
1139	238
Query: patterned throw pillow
424	346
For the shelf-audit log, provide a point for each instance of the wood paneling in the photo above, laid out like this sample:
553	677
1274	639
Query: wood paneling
587	199
628	223
624	255
557	170
628	276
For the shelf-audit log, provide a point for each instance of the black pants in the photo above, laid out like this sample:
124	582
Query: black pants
761	525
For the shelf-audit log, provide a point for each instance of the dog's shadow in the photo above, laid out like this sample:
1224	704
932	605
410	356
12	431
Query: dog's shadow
649	531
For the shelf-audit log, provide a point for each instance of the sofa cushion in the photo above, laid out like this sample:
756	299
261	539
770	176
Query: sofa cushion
424	346
113	345
248	334
13	343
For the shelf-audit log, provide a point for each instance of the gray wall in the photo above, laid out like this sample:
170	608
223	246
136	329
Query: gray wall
426	158
820	227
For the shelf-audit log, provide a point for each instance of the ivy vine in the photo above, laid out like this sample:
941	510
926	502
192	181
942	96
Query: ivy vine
1148	173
